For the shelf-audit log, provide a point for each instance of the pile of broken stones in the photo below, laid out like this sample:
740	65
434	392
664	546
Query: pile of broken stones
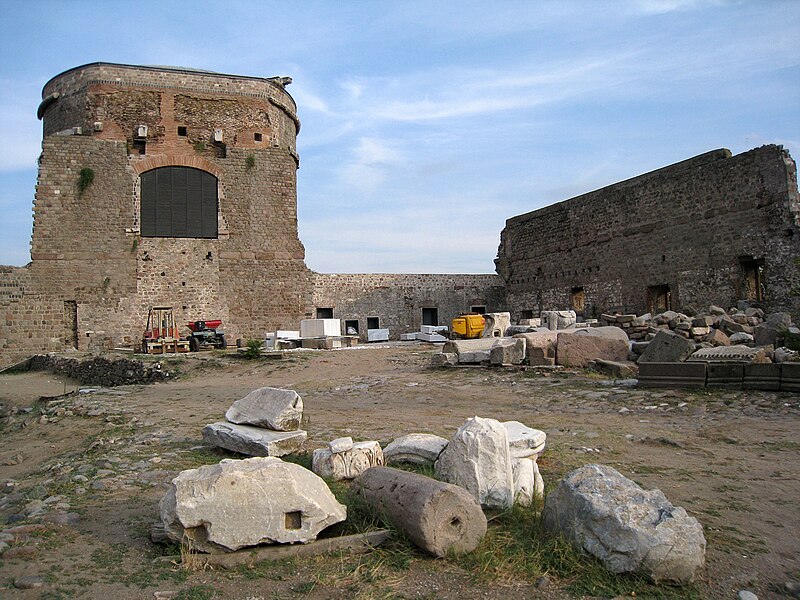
616	342
486	465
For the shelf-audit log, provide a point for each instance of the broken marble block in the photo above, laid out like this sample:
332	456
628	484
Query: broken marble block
342	444
528	484
509	352
415	448
240	503
478	459
269	407
253	441
348	464
628	528
524	441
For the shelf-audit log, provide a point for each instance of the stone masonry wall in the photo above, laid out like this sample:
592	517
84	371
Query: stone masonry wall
398	300
694	227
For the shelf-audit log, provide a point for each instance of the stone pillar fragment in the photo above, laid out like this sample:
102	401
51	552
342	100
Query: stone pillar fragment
438	517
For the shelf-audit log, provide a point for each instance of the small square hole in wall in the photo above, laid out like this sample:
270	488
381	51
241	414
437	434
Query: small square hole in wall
258	137
182	131
294	520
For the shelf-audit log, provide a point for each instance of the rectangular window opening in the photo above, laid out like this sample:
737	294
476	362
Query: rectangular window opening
258	137
325	313
138	147
294	519
526	314
481	310
351	326
373	323
182	131
430	316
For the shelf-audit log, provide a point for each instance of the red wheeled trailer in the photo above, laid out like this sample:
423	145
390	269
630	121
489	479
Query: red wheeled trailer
206	334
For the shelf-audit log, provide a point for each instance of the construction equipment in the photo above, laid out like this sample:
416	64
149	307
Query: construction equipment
467	326
205	334
161	334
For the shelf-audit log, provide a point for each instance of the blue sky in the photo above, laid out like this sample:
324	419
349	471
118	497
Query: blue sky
425	125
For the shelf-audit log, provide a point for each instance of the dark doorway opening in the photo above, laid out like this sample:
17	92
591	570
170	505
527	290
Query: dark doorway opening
659	299
373	323
430	316
578	299
752	284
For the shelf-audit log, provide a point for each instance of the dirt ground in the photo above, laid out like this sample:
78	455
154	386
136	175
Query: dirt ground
89	474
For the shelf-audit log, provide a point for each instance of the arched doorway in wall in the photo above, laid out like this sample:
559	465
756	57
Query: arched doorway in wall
179	202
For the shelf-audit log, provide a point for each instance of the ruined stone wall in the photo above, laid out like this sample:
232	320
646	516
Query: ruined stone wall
698	228
398	300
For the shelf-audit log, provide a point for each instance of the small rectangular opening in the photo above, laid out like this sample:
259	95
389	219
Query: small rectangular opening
430	316
351	327
373	323
481	310
526	314
752	284
258	137
325	313
578	299
138	147
294	520
182	131
659	299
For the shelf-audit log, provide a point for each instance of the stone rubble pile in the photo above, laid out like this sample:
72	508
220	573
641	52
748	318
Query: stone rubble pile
264	423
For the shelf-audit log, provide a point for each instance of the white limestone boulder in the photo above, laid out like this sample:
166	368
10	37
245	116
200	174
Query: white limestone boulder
629	529
273	408
241	503
524	441
347	464
342	444
478	459
415	448
253	441
528	483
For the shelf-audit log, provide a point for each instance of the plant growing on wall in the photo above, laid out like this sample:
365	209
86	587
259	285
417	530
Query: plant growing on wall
199	146
249	162
85	179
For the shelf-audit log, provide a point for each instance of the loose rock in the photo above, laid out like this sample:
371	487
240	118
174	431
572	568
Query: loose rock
349	463
253	441
273	408
415	448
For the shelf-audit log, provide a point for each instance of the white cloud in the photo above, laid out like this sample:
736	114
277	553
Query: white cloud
372	159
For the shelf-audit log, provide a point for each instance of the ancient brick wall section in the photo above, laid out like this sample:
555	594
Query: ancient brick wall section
398	300
702	230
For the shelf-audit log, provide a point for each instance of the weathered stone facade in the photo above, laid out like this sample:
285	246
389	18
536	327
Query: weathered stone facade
399	302
95	271
712	229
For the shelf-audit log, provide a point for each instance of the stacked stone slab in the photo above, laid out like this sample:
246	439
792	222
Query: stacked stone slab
345	459
266	422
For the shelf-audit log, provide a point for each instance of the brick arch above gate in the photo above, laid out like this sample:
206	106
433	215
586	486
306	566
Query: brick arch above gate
177	160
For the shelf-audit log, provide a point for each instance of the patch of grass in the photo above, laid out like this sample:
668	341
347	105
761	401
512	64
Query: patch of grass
198	592
253	349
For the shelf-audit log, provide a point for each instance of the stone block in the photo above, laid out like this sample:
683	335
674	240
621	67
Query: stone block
524	441
717	337
312	328
737	354
444	359
609	333
341	444
510	352
441	518
470	351
528	484
433	328
558	319
617	370
408	337
730	326
790	377
666	347
253	441
433	338
241	503
537	357
273	408
323	343
672	374
762	377
377	335
287	334
627	528
415	448
727	375
478	459
495	324
575	350
347	464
